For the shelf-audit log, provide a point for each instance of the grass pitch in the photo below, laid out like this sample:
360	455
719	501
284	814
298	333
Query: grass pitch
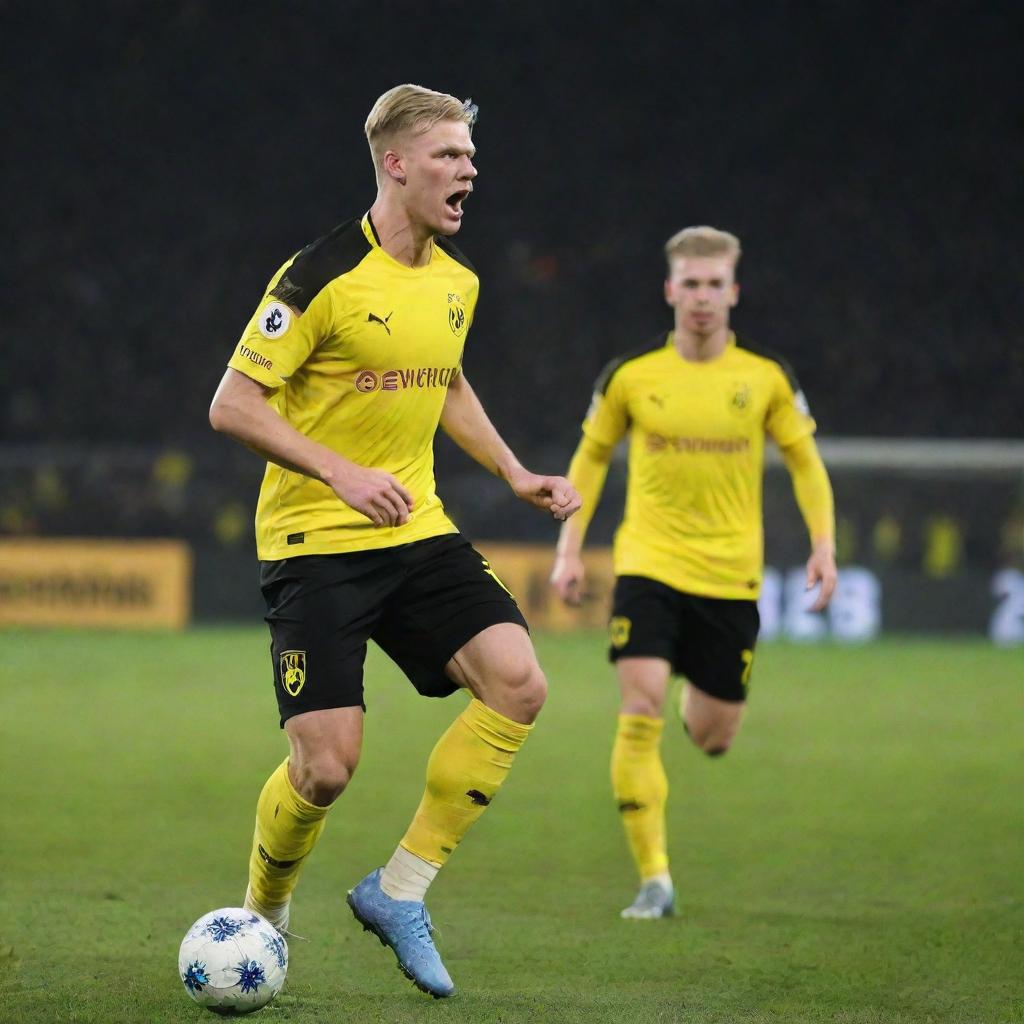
858	857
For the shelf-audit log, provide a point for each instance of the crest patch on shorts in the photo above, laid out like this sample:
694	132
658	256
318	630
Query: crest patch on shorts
619	628
274	319
293	671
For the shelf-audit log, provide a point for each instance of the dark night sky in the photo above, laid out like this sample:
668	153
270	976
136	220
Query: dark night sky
164	158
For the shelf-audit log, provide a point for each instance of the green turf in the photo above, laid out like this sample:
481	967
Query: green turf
856	858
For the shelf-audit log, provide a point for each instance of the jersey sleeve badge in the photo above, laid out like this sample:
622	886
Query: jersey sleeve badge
274	320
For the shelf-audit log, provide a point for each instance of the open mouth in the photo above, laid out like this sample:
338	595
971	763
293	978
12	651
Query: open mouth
454	201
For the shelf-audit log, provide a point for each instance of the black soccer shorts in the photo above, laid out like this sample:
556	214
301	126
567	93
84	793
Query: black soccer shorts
419	602
709	640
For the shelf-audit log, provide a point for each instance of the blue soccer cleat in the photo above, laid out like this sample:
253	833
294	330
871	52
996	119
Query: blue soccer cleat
404	925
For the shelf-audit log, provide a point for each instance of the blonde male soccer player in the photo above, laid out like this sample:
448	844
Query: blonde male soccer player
352	359
697	405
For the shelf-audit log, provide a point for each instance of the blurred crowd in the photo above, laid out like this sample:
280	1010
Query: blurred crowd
166	169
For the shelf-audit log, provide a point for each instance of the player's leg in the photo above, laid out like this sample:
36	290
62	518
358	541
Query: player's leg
320	613
456	626
292	808
643	642
474	756
464	772
639	781
499	667
720	637
710	722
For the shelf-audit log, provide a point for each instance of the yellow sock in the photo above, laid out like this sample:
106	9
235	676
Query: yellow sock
641	790
464	772
287	828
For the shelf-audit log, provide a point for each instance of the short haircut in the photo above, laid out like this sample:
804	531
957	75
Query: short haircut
703	241
412	108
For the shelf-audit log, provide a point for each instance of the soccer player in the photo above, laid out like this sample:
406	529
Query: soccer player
697	405
352	359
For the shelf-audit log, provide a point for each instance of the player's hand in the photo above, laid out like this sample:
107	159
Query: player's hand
567	579
553	494
374	493
821	568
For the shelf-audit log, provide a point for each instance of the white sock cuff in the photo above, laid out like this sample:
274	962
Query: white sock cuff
407	876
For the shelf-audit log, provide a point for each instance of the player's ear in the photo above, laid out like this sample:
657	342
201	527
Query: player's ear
394	166
668	291
735	293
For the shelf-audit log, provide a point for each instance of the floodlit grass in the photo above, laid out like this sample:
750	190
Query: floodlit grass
858	857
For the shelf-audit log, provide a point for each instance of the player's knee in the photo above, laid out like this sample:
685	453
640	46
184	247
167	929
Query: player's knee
640	702
323	779
526	689
534	693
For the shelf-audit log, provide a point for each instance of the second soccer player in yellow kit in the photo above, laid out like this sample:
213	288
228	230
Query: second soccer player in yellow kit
697	405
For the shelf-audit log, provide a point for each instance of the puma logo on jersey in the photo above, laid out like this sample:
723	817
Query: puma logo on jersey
657	400
373	318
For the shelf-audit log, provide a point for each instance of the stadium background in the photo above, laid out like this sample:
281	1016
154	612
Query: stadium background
171	155
165	157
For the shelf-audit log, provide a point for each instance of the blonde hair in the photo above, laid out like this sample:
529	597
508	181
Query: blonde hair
703	241
412	108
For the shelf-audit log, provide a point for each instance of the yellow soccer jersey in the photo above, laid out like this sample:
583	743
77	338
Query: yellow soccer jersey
359	350
696	455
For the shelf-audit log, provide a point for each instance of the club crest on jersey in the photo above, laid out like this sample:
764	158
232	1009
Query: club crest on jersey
293	671
456	314
740	399
274	320
619	629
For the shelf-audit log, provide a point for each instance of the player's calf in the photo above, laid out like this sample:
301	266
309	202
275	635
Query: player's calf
287	829
710	722
712	744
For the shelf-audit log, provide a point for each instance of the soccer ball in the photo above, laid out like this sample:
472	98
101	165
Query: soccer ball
232	961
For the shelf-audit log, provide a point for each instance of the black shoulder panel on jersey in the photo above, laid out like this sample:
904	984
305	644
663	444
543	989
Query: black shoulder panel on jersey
455	252
766	353
605	377
320	263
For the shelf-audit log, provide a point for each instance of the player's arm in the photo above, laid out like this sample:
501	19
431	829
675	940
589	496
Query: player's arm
587	472
604	426
464	420
790	423
814	497
240	410
296	314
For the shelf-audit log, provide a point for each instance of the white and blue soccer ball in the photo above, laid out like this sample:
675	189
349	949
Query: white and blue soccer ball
232	961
